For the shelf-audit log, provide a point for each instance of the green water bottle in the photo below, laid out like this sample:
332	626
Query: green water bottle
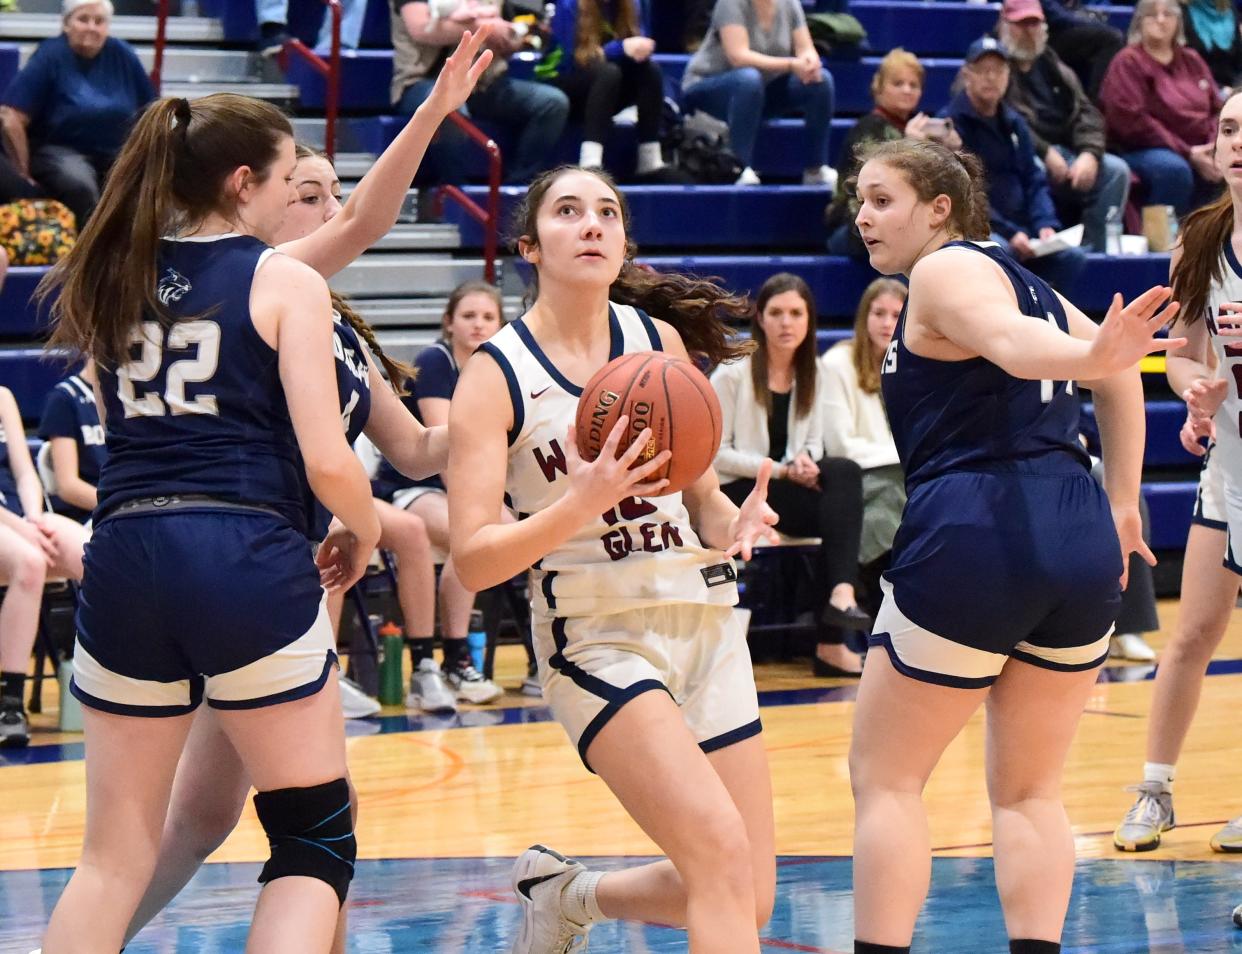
392	647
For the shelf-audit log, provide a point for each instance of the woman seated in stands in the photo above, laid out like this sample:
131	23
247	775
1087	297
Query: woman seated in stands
75	440
1160	104
67	112
896	90
856	426
758	61
33	546
770	404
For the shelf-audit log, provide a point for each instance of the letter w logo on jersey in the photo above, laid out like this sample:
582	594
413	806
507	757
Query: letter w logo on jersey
552	461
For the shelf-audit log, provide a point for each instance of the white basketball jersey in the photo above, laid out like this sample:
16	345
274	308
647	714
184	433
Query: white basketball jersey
1228	366
643	551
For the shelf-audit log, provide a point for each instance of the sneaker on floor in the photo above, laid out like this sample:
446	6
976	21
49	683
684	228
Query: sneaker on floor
748	177
1130	646
539	876
471	685
531	686
823	176
1150	816
355	703
429	690
14	725
1237	918
1229	838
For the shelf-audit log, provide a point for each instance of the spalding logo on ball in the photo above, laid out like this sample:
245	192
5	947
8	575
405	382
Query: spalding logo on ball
669	395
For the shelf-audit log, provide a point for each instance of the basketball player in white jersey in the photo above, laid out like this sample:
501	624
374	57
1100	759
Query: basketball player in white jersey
1206	275
639	654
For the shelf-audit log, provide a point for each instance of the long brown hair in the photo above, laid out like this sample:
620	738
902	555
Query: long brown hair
399	373
932	170
697	307
169	176
474	287
805	369
592	29
865	357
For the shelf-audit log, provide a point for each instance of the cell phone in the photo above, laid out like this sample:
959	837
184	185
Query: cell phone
937	128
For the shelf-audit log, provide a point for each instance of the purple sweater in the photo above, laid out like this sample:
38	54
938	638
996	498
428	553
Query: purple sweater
1149	105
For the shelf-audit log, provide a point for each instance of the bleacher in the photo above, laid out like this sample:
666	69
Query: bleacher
740	235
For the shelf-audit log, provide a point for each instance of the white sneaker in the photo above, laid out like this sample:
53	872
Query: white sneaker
539	876
471	685
748	177
1130	646
355	703
823	176
429	690
531	686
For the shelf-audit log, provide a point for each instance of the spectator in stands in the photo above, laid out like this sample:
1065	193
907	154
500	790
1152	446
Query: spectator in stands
771	409
896	89
603	62
473	314
1083	39
1212	31
1066	128
273	19
75	441
535	113
33	545
1160	104
856	425
68	110
1020	203
758	61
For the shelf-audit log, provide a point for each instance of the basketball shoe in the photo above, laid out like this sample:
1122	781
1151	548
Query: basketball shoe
539	876
1150	816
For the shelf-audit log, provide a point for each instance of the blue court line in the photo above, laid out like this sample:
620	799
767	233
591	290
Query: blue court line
528	715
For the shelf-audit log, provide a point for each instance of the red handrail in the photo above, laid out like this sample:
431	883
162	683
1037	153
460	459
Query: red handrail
161	27
329	69
489	218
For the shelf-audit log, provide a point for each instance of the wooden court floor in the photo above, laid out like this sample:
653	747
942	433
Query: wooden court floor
490	781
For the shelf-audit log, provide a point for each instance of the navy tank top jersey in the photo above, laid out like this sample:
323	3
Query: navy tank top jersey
353	388
437	378
8	483
972	415
199	408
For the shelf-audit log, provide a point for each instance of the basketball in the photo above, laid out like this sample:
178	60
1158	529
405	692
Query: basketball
669	395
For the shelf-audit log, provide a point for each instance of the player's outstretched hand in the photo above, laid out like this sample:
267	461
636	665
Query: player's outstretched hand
1128	332
603	483
1130	533
461	71
1193	431
755	519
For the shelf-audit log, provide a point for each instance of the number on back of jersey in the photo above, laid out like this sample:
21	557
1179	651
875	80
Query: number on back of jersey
149	345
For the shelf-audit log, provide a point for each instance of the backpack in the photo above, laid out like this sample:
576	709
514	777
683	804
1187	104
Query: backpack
831	31
36	231
700	143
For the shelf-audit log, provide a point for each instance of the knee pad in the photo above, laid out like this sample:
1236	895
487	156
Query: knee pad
311	834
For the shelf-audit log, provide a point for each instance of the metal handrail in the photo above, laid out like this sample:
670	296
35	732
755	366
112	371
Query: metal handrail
329	69
489	218
161	37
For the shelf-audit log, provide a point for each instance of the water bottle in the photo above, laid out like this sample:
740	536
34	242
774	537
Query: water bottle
1112	231
392	645
476	640
70	708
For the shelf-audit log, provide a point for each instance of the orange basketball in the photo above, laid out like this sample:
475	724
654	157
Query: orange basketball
667	394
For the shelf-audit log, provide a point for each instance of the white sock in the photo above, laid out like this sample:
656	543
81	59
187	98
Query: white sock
591	156
650	158
1160	773
578	902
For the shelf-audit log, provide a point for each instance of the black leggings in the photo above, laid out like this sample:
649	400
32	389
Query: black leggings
599	91
834	513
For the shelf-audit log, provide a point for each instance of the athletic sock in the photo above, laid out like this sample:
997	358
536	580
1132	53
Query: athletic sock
591	155
13	685
866	947
650	157
1026	946
456	653
1159	773
578	901
421	647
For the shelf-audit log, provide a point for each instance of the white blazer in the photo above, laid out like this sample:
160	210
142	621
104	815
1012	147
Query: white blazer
855	423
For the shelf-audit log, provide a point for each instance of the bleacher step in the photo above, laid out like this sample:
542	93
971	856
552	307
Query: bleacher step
38	26
386	276
417	313
422	236
274	92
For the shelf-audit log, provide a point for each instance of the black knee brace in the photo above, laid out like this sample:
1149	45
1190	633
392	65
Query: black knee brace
311	834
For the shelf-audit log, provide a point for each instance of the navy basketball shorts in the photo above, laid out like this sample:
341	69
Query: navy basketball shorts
993	566
178	607
591	666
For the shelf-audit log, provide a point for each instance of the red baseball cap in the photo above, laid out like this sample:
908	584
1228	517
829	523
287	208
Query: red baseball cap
1016	11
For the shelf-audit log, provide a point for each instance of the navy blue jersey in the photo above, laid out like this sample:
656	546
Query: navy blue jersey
200	409
437	378
353	387
971	415
8	483
71	412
